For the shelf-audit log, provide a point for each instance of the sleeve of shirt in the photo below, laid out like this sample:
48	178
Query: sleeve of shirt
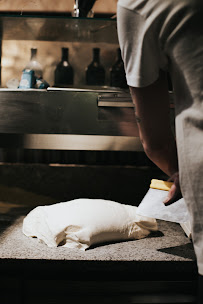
139	48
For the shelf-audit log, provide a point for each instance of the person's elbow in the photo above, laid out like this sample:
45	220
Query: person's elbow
154	148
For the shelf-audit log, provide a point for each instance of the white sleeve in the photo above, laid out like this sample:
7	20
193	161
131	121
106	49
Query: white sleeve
139	47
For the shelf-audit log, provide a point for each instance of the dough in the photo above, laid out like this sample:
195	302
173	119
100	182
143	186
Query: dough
81	223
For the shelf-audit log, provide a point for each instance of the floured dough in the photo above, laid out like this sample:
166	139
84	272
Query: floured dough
81	223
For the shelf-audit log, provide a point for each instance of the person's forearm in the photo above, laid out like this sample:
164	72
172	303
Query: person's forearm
165	156
152	112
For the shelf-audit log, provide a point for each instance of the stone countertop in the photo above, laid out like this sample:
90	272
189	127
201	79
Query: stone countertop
168	244
166	251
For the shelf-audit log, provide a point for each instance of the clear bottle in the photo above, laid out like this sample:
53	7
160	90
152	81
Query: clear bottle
117	73
83	8
64	73
34	64
95	72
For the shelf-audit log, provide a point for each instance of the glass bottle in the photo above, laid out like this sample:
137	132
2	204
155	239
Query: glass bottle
83	8
95	73
170	84
64	73
34	64
117	73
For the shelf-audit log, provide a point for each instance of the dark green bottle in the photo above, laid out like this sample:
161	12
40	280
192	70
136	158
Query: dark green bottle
117	73
95	73
64	73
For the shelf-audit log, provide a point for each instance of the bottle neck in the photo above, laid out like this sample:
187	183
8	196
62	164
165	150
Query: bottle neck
119	58
64	56
83	7
33	54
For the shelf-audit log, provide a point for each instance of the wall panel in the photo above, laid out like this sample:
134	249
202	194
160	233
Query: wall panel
101	6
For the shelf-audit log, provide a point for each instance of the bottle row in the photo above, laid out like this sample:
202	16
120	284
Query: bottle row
95	73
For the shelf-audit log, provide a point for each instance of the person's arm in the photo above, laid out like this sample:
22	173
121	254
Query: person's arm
152	110
152	116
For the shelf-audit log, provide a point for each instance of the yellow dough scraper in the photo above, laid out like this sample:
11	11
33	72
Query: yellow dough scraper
152	204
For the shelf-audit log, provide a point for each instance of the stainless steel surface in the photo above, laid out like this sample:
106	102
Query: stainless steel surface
115	99
86	88
81	142
72	120
65	120
118	104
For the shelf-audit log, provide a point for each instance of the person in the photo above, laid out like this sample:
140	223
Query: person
159	37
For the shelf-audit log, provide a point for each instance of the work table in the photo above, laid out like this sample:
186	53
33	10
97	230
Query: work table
168	244
163	260
140	271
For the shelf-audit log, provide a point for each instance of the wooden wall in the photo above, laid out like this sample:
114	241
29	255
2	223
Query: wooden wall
15	54
101	6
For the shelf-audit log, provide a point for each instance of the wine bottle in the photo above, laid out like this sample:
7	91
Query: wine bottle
117	72
34	64
170	84
95	73
83	8
64	73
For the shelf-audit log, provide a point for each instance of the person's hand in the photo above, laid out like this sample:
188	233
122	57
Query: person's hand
174	193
